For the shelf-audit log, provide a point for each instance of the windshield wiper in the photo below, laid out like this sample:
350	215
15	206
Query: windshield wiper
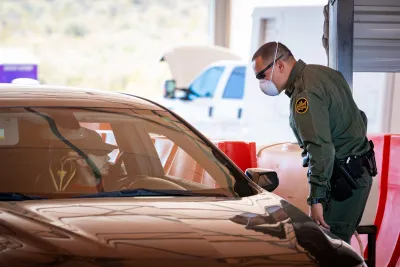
13	196
149	193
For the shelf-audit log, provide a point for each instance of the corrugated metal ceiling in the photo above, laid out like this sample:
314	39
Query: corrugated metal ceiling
376	36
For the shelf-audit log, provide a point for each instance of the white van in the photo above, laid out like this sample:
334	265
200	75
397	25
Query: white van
213	101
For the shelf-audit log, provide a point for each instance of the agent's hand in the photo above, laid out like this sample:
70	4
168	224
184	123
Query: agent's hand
317	213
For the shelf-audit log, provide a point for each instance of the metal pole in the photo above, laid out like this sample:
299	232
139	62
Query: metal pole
220	13
341	34
211	22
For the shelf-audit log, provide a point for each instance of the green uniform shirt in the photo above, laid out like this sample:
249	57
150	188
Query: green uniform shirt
325	120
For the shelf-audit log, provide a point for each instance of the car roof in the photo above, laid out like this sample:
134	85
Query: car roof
16	95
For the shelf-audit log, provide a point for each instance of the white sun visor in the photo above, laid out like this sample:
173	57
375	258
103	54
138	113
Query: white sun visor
66	133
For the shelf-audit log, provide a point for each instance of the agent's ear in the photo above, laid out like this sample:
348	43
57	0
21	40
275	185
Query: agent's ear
280	65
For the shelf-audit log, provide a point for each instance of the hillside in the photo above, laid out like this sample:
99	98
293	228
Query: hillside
111	45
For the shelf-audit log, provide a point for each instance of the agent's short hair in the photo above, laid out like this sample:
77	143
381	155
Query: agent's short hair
267	52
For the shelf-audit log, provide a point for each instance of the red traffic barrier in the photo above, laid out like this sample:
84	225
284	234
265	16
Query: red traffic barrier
243	154
388	247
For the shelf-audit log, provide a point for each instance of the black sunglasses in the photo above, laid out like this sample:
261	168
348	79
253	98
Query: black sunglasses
261	74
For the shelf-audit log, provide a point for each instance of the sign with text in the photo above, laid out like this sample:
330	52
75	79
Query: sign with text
9	72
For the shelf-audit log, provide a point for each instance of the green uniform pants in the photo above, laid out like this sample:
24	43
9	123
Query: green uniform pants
344	217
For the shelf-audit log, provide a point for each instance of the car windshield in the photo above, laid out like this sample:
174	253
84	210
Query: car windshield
69	152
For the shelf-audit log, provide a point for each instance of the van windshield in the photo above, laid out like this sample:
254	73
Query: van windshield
206	84
67	152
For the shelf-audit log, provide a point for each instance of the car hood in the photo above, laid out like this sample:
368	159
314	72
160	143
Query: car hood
261	230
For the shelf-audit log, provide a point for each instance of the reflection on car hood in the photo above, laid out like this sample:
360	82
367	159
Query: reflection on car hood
157	231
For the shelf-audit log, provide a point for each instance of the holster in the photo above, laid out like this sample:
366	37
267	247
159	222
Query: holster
340	187
356	165
345	174
370	160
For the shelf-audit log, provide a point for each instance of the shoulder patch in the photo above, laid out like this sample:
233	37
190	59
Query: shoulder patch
301	105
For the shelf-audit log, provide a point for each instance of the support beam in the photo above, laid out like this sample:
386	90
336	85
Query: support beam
220	21
341	33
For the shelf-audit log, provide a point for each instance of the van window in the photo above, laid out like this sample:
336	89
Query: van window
234	88
206	83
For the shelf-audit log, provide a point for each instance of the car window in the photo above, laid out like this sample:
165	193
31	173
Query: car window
72	151
178	163
206	84
234	88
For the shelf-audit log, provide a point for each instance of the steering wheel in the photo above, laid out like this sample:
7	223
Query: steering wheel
140	181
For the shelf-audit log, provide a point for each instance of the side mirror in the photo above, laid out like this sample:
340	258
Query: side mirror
169	88
265	178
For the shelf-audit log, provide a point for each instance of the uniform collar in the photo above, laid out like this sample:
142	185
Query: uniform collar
296	71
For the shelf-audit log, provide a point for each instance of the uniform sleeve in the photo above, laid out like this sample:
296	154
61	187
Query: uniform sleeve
311	118
299	142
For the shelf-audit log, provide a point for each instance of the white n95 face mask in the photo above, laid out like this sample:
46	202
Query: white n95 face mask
267	86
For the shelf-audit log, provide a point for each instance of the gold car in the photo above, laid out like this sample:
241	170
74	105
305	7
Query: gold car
93	178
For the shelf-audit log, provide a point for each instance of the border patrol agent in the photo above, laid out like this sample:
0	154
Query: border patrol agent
330	129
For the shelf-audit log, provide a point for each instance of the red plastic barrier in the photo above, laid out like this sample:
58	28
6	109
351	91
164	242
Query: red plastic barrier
241	153
390	226
395	260
377	200
382	153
